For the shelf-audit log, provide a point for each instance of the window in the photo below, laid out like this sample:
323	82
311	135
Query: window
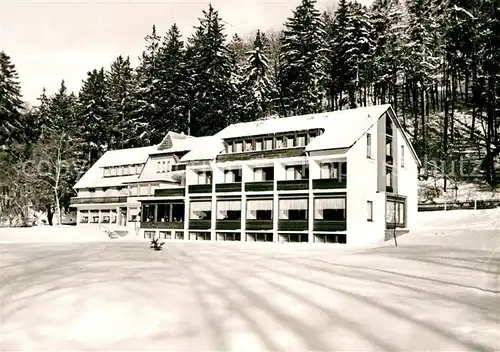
368	146
94	216
334	170
293	209
84	216
280	143
231	176
153	188
238	147
229	210
107	172
106	218
248	146
148	213
297	172
301	141
177	212
264	174
158	167
388	148
290	140
113	216
369	210
260	209
402	156
396	212
388	178
268	144
204	177
229	147
258	145
200	210
162	213
144	190
133	191
330	208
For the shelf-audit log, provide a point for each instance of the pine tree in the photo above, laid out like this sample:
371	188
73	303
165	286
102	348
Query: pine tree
257	83
302	60
211	89
11	105
94	115
61	114
125	129
149	101
173	82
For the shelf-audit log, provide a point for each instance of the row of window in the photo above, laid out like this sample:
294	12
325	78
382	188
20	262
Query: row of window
330	170
122	170
271	143
388	149
103	216
251	237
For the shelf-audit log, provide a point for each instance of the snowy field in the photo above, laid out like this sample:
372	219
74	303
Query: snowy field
437	291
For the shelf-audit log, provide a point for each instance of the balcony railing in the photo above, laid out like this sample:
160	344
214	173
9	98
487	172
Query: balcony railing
178	167
259	186
200	188
329	183
98	200
228	224
228	187
263	154
330	225
292	225
163	225
196	224
170	192
259	225
293	185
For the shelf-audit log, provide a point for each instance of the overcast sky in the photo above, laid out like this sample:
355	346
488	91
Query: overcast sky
53	40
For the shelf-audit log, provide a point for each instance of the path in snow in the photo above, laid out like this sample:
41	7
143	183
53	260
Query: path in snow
426	294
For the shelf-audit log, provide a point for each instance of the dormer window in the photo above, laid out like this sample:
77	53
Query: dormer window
290	140
229	147
248	146
238	147
301	141
258	145
279	143
268	144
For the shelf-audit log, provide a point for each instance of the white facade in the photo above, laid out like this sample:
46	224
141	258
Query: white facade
315	178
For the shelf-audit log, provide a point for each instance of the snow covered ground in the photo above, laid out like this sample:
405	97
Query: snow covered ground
438	290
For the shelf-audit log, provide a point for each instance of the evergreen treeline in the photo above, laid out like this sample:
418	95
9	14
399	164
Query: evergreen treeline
436	62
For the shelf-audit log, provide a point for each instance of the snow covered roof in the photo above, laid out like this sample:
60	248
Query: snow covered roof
177	142
342	129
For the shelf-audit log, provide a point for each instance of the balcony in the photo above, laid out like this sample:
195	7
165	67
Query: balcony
228	187
330	225
228	224
389	159
178	167
170	192
207	188
163	225
259	225
196	224
292	225
98	200
293	185
261	186
263	154
329	183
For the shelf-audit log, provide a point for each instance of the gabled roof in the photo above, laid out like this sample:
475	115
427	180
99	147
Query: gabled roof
177	142
341	130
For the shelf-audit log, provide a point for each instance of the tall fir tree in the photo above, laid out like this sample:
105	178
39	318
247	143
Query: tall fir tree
11	105
94	115
173	83
126	128
211	90
149	101
257	82
302	61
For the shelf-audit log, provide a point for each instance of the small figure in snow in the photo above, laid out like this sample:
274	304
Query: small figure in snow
155	245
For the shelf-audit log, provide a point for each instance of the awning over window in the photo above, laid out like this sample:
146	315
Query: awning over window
260	204
201	206
229	205
329	203
295	204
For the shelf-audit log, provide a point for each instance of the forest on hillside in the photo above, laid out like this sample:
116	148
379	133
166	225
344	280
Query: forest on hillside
436	61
